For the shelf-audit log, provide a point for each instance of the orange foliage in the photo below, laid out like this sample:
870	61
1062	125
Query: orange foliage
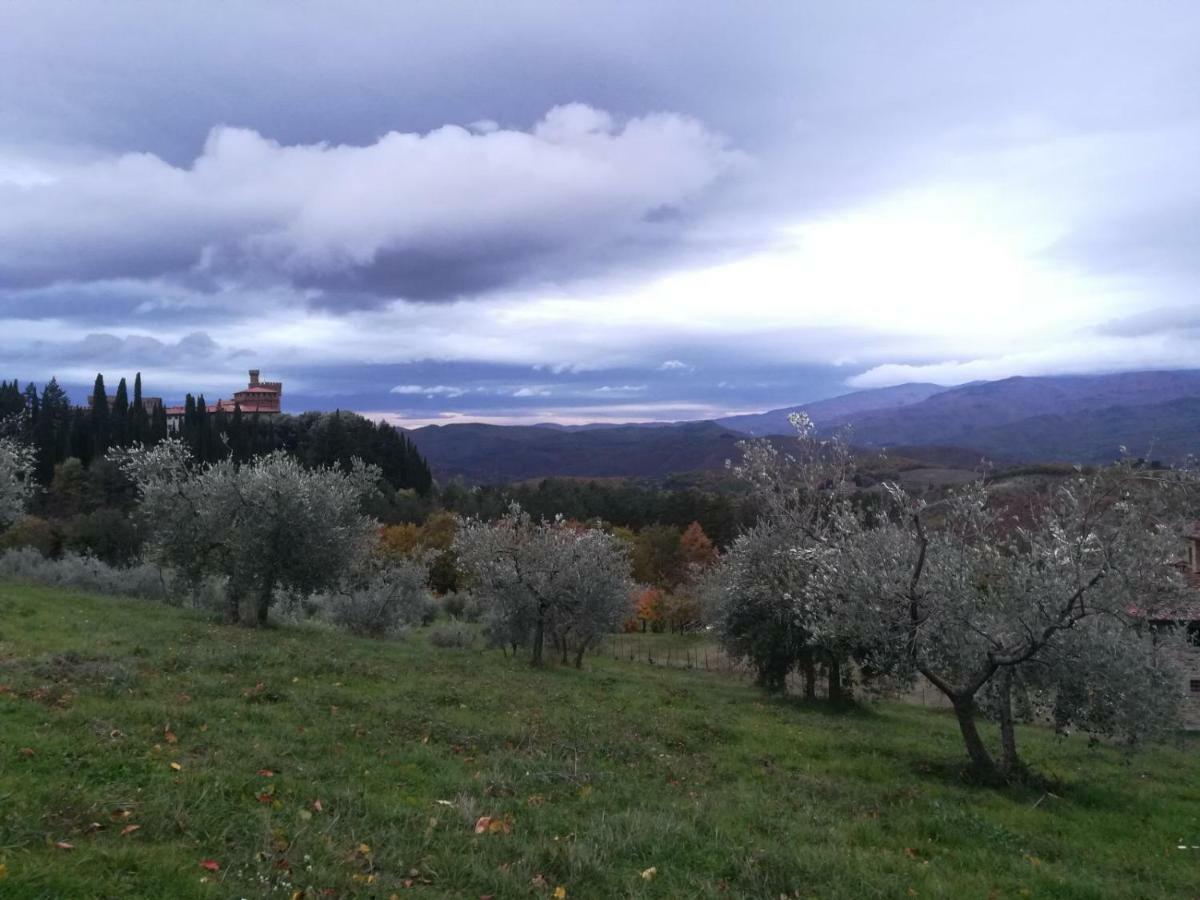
696	548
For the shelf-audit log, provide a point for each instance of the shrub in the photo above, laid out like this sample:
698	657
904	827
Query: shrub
392	600
454	604
107	534
86	573
452	635
34	532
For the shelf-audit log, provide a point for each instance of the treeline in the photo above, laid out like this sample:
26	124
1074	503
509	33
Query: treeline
59	431
314	438
722	514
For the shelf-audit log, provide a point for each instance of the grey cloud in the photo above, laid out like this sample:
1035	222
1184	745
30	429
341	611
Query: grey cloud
134	350
1161	321
434	216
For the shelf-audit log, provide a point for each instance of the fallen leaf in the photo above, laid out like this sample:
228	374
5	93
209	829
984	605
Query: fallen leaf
364	849
649	873
264	797
560	893
118	814
26	752
63	845
3	871
482	824
266	773
211	864
169	736
93	827
130	829
176	767
317	807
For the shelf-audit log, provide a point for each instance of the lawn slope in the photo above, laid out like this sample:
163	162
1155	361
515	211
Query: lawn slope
299	760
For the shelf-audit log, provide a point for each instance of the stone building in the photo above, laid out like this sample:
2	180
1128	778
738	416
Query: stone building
262	398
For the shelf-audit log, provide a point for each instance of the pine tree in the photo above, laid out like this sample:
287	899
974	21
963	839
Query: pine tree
52	431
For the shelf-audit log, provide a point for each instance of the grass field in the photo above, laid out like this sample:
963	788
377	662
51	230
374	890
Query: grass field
304	761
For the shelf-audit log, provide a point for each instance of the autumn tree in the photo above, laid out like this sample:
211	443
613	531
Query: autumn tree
695	549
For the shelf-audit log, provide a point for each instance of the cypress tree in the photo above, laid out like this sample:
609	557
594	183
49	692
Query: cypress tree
100	417
237	435
158	425
201	445
138	420
119	419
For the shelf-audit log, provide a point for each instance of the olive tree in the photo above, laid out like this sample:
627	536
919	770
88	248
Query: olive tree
542	580
265	525
1052	605
16	479
766	614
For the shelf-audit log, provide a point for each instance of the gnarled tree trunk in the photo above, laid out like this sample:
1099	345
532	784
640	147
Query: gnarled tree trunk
1010	763
835	679
808	670
539	635
981	760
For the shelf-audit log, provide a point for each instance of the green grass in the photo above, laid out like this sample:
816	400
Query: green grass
600	775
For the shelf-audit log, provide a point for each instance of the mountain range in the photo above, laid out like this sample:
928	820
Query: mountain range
1061	418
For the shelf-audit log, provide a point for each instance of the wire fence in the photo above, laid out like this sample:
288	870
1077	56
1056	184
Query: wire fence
710	657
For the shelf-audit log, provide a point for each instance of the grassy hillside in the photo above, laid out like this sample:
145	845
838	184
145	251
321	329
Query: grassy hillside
306	761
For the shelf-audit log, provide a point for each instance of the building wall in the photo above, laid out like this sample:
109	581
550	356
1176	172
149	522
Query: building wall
1191	688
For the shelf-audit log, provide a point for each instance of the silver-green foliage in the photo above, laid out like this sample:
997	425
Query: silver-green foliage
16	479
1049	610
386	603
86	573
546	580
266	525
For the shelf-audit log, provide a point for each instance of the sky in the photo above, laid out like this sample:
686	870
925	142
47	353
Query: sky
595	211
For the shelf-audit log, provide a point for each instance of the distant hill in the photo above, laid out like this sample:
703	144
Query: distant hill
491	454
1015	420
1081	418
834	410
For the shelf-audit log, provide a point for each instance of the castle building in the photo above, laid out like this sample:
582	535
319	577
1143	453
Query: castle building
262	398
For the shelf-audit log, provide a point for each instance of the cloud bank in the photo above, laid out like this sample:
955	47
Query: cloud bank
454	212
